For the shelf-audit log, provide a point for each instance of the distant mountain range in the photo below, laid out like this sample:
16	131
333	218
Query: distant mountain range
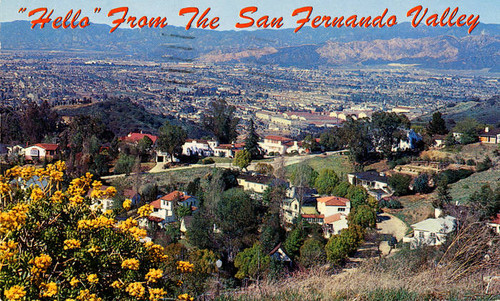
446	48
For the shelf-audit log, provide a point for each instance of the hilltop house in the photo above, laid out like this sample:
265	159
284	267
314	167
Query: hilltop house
432	231
335	211
164	207
409	143
374	182
275	144
490	136
199	147
136	137
41	151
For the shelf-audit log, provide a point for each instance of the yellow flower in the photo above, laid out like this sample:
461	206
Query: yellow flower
57	197
43	262
185	297
48	289
94	250
185	266
15	293
127	224
156	252
71	244
137	232
153	275
127	204
74	282
145	210
8	249
156	294
92	278
37	194
132	264
76	200
135	289
179	282
110	191
116	284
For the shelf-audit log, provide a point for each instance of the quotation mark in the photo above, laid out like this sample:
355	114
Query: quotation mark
97	10
22	10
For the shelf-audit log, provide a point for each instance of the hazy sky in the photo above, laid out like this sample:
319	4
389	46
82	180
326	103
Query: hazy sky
228	11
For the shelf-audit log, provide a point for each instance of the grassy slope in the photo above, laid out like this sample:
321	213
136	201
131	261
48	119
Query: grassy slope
339	163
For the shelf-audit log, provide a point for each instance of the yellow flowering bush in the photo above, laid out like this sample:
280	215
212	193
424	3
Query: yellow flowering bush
145	210
127	204
54	247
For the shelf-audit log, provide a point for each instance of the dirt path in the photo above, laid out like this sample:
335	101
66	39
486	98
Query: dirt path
393	226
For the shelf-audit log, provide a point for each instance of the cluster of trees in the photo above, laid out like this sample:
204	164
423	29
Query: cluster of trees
366	137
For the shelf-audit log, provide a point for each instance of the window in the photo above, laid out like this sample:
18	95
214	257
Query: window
421	234
296	207
341	209
433	235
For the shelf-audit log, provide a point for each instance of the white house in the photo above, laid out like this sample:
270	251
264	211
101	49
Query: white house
41	151
164	207
104	203
409	143
335	210
198	147
164	157
275	144
490	136
432	231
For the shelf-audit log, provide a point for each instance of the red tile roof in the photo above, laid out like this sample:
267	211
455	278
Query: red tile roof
277	138
48	146
333	218
174	196
136	137
333	201
313	216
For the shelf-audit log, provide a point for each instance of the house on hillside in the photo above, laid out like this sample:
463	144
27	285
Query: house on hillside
199	147
335	210
409	143
374	182
41	151
254	182
432	231
164	207
136	137
490	136
275	144
228	150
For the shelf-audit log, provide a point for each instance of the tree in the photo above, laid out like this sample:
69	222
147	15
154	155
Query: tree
182	211
421	184
469	129
340	246
326	181
485	202
400	184
388	129
242	159
303	175
363	216
237	219
444	196
252	142
310	144
124	164
357	195
200	231
220	120
272	233
330	139
437	126
264	168
144	147
341	189
171	139
355	134
312	253
294	240
252	262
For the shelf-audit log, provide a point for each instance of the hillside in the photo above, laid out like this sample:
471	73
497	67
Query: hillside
484	111
123	116
447	48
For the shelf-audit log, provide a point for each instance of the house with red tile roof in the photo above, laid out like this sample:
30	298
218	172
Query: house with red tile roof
136	137
335	209
164	207
41	151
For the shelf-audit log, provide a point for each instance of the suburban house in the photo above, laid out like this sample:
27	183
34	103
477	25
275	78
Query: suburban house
254	182
335	210
439	140
164	207
490	136
432	231
202	148
228	150
41	151
132	195
495	223
374	182
275	144
409	143
291	208
136	137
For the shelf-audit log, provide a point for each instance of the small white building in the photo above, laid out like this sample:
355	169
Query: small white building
41	151
374	182
495	223
275	144
432	231
254	182
335	210
198	147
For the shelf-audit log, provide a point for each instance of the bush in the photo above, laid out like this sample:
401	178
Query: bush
484	165
400	184
312	253
207	161
79	253
471	162
453	176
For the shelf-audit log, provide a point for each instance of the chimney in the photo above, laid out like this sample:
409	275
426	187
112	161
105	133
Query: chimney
486	129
